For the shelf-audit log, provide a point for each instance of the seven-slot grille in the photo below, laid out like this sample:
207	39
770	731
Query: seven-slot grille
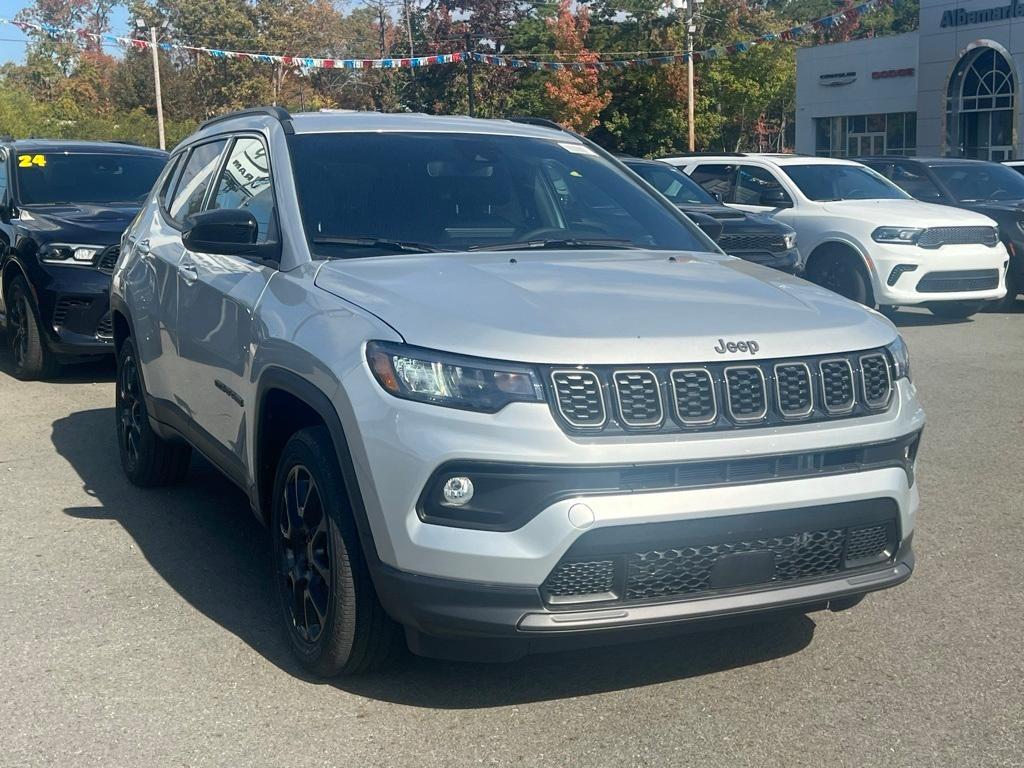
721	395
769	243
935	237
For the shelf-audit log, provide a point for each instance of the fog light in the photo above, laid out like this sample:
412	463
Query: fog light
457	491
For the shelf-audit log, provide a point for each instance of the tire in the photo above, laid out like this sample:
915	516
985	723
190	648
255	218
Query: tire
335	623
842	274
146	458
31	359
955	310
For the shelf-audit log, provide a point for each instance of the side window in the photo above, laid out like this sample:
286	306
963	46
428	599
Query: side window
195	178
245	183
716	179
757	186
168	183
3	173
915	182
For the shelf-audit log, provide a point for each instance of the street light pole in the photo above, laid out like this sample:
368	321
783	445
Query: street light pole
141	25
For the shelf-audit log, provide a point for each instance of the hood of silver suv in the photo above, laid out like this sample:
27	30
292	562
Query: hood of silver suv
566	307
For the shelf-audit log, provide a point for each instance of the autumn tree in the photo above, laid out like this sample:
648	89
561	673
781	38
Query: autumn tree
575	92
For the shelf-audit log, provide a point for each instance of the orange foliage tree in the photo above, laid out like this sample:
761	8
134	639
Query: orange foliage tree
575	94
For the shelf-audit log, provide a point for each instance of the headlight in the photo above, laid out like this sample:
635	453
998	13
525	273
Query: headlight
454	381
902	235
900	359
790	240
56	253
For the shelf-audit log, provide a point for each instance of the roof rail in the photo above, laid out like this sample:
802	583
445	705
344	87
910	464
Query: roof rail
278	113
709	153
541	121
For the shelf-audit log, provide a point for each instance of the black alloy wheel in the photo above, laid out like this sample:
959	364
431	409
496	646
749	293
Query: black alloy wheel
32	360
129	412
304	555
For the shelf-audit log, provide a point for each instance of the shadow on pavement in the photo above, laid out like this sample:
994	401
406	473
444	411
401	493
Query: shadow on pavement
202	539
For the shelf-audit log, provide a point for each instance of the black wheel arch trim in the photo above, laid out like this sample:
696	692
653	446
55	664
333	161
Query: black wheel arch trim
302	389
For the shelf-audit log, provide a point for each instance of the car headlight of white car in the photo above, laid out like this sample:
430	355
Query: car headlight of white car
900	235
900	358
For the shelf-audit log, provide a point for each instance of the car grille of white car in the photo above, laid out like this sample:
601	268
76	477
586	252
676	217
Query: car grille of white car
717	396
936	237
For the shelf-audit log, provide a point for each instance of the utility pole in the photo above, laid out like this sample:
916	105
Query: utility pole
689	9
469	79
153	49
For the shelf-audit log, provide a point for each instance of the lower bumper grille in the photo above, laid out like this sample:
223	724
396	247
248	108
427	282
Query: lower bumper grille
105	329
708	564
962	280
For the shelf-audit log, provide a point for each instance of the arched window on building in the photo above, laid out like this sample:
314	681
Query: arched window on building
980	106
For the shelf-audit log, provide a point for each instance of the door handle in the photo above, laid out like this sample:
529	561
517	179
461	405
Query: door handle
188	270
142	246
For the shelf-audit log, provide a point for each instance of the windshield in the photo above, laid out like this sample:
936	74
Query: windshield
842	182
371	194
673	184
970	183
85	178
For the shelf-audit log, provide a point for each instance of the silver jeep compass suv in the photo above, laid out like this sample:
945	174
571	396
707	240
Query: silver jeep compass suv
489	389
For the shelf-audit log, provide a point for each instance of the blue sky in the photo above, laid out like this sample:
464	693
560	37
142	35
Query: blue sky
15	51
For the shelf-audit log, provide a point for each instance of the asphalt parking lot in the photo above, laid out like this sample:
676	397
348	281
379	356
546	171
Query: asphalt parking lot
138	626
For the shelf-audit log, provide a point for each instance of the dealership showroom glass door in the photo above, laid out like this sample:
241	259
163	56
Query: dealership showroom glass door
865	136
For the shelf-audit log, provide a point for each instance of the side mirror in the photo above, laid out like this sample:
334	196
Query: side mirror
711	226
227	231
775	198
6	210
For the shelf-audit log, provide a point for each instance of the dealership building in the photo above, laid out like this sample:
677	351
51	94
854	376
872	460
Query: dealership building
950	88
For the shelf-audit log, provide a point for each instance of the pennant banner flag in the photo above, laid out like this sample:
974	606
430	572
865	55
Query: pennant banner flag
410	62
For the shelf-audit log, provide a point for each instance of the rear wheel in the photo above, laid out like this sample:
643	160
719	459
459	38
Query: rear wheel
955	310
32	360
335	623
146	458
843	274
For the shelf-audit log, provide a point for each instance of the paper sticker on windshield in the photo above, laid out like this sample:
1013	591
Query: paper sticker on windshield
577	149
30	161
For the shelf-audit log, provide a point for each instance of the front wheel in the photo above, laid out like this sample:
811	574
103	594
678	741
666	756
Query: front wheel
843	275
335	623
955	310
147	459
32	360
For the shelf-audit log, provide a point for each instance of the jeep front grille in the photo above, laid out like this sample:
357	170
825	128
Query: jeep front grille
668	398
935	237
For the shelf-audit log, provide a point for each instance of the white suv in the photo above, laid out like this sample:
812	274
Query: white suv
865	238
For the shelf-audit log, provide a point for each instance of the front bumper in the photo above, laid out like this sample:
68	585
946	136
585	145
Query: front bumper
784	261
459	620
74	309
918	268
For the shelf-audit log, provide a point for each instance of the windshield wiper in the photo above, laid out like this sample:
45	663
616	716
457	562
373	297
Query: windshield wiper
565	243
376	242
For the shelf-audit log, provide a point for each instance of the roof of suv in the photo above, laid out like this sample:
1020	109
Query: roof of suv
61	145
771	159
342	121
929	161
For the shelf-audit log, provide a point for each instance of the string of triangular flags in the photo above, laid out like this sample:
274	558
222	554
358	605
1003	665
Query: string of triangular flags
315	62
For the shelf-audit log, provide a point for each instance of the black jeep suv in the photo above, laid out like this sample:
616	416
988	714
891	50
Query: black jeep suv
977	185
751	236
63	207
